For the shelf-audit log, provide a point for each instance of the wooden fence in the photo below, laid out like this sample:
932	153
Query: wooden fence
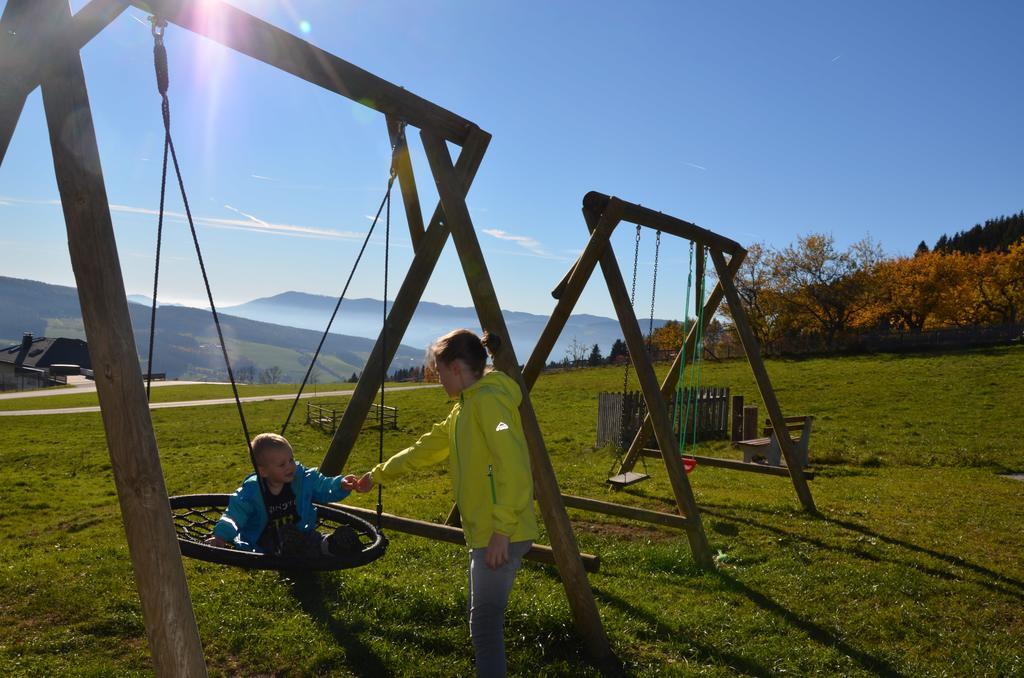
619	422
326	417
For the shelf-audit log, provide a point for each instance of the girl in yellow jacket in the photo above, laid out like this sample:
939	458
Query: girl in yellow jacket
489	464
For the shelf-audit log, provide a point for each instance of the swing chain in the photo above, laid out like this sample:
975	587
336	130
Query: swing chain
632	297
654	289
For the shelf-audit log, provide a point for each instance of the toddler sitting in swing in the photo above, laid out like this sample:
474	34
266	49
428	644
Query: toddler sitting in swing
283	521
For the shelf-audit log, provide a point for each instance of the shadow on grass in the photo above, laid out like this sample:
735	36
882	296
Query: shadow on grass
666	633
990	579
818	633
309	592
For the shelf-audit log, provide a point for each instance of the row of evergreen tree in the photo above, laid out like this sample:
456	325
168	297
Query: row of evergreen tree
996	235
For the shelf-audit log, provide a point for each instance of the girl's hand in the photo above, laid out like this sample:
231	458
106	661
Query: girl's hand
365	484
497	551
216	541
349	482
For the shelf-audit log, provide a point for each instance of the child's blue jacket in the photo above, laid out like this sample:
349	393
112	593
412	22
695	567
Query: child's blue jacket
246	516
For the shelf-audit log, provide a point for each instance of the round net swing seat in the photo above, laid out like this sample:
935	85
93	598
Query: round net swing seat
195	516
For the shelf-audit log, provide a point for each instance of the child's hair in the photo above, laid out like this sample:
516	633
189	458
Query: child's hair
466	346
265	442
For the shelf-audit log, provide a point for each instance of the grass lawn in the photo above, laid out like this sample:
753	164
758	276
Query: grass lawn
913	567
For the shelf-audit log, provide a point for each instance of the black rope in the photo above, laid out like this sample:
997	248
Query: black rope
312	363
163	80
156	266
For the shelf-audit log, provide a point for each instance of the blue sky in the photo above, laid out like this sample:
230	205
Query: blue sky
761	121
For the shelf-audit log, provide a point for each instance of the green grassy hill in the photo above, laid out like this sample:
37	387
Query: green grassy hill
913	568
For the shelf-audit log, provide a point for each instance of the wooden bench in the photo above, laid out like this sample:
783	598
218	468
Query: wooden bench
767	450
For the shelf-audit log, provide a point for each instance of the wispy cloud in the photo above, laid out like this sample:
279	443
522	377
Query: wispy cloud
263	178
836	58
527	243
249	223
700	167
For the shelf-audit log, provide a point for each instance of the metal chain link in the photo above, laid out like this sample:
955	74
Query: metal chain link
654	289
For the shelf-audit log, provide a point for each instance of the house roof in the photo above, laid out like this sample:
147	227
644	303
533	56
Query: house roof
44	351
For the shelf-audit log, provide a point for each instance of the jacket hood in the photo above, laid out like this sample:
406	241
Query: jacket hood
500	385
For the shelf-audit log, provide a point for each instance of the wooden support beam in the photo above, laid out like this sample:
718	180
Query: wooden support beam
623	511
563	541
421	528
402	309
152	544
406	180
27	47
647	217
570	294
260	40
732	464
656	406
671	381
764	384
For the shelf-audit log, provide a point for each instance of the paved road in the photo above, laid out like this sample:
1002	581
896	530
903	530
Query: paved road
82	385
200	403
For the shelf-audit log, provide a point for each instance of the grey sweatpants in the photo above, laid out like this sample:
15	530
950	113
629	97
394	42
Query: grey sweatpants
488	596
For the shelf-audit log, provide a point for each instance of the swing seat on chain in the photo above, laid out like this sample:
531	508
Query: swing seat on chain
633	477
626	479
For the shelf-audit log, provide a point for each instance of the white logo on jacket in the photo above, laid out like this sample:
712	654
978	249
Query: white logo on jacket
502	426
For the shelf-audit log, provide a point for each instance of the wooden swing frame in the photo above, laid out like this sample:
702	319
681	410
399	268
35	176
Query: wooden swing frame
602	214
40	42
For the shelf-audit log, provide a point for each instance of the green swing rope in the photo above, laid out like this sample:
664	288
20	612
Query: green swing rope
678	415
687	397
698	356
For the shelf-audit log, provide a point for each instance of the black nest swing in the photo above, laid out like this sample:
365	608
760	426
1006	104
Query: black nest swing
195	515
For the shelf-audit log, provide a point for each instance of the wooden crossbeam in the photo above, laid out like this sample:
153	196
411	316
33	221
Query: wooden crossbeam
623	511
732	464
260	40
454	535
637	214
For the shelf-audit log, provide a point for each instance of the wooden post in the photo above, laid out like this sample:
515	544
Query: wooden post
563	541
569	295
737	419
764	385
750	422
656	408
668	386
402	309
406	180
27	45
152	542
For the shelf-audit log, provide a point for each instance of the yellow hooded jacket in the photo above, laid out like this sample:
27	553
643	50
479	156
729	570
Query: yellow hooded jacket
487	458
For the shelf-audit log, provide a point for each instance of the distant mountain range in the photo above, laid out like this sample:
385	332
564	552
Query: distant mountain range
186	343
362	317
280	331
